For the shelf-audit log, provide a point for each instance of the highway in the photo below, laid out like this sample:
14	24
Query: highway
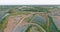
21	23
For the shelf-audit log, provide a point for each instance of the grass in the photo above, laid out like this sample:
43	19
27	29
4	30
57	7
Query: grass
51	21
27	30
38	29
4	24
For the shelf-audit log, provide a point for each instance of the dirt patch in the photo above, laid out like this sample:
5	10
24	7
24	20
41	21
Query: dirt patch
12	22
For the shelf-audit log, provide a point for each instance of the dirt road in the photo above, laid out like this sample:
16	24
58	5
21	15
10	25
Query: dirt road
14	21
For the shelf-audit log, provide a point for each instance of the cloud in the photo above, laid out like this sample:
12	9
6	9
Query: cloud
29	2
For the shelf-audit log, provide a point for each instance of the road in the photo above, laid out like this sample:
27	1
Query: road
13	21
12	26
21	21
16	30
56	20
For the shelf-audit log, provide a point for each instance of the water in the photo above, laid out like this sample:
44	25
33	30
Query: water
40	18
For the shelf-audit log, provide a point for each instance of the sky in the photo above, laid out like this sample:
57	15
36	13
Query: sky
29	2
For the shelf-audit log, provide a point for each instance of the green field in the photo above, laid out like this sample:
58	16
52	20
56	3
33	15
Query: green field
40	15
